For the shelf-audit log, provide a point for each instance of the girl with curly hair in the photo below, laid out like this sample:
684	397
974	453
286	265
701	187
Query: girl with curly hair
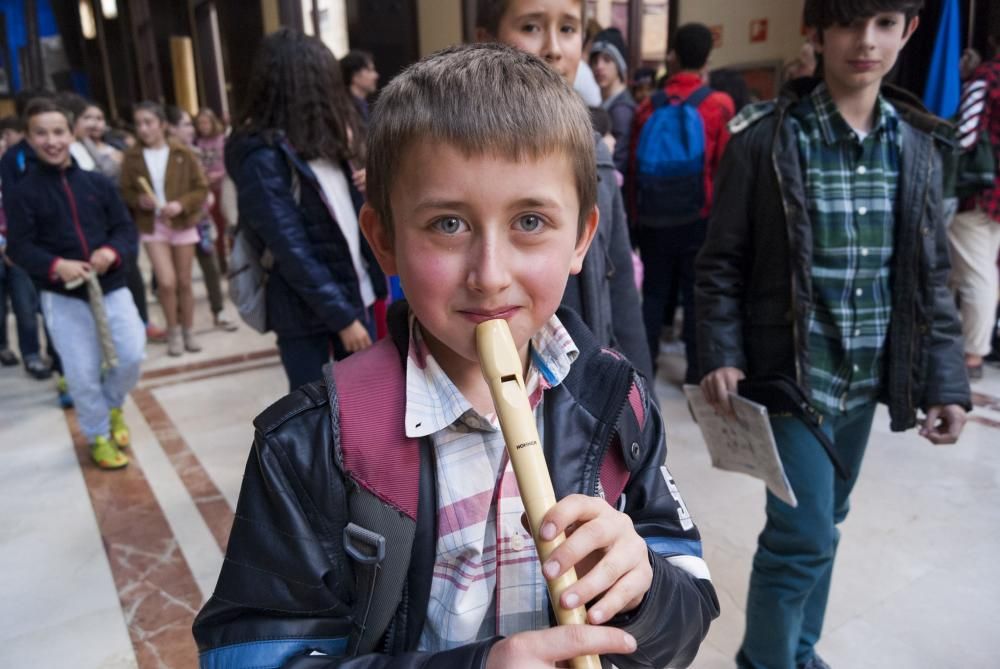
290	156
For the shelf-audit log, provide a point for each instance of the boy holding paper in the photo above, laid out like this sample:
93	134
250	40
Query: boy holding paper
826	262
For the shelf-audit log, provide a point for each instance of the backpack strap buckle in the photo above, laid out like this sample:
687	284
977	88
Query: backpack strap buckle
364	546
367	548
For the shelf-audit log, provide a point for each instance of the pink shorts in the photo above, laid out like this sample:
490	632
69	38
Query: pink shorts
165	234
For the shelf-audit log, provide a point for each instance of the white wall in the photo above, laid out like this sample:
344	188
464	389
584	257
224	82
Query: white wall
784	28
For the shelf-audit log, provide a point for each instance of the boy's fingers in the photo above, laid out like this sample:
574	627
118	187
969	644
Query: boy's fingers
629	587
612	567
569	510
720	398
565	642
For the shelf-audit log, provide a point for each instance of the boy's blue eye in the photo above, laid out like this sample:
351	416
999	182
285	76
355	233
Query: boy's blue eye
530	223
449	225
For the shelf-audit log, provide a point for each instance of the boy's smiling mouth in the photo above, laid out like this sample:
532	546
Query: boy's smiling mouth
863	65
481	315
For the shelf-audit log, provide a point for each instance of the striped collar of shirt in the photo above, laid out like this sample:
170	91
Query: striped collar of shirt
433	402
487	579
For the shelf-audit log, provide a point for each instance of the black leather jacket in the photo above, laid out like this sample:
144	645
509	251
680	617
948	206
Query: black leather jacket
313	287
604	292
286	582
753	287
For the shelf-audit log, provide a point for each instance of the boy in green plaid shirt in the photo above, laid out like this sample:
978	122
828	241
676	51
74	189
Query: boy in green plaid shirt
826	262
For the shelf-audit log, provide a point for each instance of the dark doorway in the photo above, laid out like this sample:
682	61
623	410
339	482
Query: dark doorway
387	29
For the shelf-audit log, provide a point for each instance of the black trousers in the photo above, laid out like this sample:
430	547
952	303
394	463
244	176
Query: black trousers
668	256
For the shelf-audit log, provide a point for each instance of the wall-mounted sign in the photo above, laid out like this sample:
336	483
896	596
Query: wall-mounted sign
716	36
758	31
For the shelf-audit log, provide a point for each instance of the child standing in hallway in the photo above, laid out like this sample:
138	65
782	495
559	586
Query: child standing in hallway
826	261
68	224
168	222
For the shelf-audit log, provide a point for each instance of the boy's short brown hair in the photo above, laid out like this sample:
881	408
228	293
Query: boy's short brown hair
489	13
482	99
40	106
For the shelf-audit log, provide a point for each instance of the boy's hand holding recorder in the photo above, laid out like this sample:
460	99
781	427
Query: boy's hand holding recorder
602	541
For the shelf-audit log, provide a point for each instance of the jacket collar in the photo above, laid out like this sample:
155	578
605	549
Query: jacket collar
910	109
47	168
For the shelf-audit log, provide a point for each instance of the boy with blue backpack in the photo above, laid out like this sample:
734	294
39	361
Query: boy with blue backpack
679	136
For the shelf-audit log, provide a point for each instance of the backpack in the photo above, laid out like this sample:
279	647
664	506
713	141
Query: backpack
249	269
250	265
976	168
670	159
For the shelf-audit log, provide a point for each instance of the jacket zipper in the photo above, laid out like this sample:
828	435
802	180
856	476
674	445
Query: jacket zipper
76	217
784	208
595	482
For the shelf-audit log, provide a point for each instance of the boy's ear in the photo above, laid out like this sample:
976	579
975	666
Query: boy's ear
483	35
815	37
585	239
378	238
911	28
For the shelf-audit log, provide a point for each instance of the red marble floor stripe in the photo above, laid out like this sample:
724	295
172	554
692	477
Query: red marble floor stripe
983	420
208	364
156	589
214	375
986	401
207	497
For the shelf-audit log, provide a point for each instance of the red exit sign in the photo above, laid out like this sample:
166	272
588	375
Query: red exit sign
758	30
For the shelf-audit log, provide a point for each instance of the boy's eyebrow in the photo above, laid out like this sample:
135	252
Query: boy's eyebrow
528	202
540	15
440	204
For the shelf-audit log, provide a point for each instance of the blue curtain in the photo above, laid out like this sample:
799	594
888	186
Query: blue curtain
17	33
944	88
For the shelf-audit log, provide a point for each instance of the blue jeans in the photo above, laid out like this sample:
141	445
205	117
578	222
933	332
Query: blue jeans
790	581
71	325
15	282
303	357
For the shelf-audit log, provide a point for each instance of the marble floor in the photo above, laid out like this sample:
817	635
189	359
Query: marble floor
107	569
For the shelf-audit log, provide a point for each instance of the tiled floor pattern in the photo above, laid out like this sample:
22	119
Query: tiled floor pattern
106	570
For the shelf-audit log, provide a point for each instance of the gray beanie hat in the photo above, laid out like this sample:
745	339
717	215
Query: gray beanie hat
610	42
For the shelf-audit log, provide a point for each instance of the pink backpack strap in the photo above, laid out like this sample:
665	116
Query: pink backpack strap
614	473
376	453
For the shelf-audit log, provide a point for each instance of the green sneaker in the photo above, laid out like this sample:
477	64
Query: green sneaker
119	430
65	399
106	455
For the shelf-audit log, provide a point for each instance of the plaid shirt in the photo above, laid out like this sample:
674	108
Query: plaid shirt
984	89
487	577
850	189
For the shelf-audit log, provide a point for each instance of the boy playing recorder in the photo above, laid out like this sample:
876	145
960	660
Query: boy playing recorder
481	184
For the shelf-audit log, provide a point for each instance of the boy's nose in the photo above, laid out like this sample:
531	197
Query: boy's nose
551	50
867	36
488	272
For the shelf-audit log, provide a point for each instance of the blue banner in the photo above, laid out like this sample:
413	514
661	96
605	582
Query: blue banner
944	88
